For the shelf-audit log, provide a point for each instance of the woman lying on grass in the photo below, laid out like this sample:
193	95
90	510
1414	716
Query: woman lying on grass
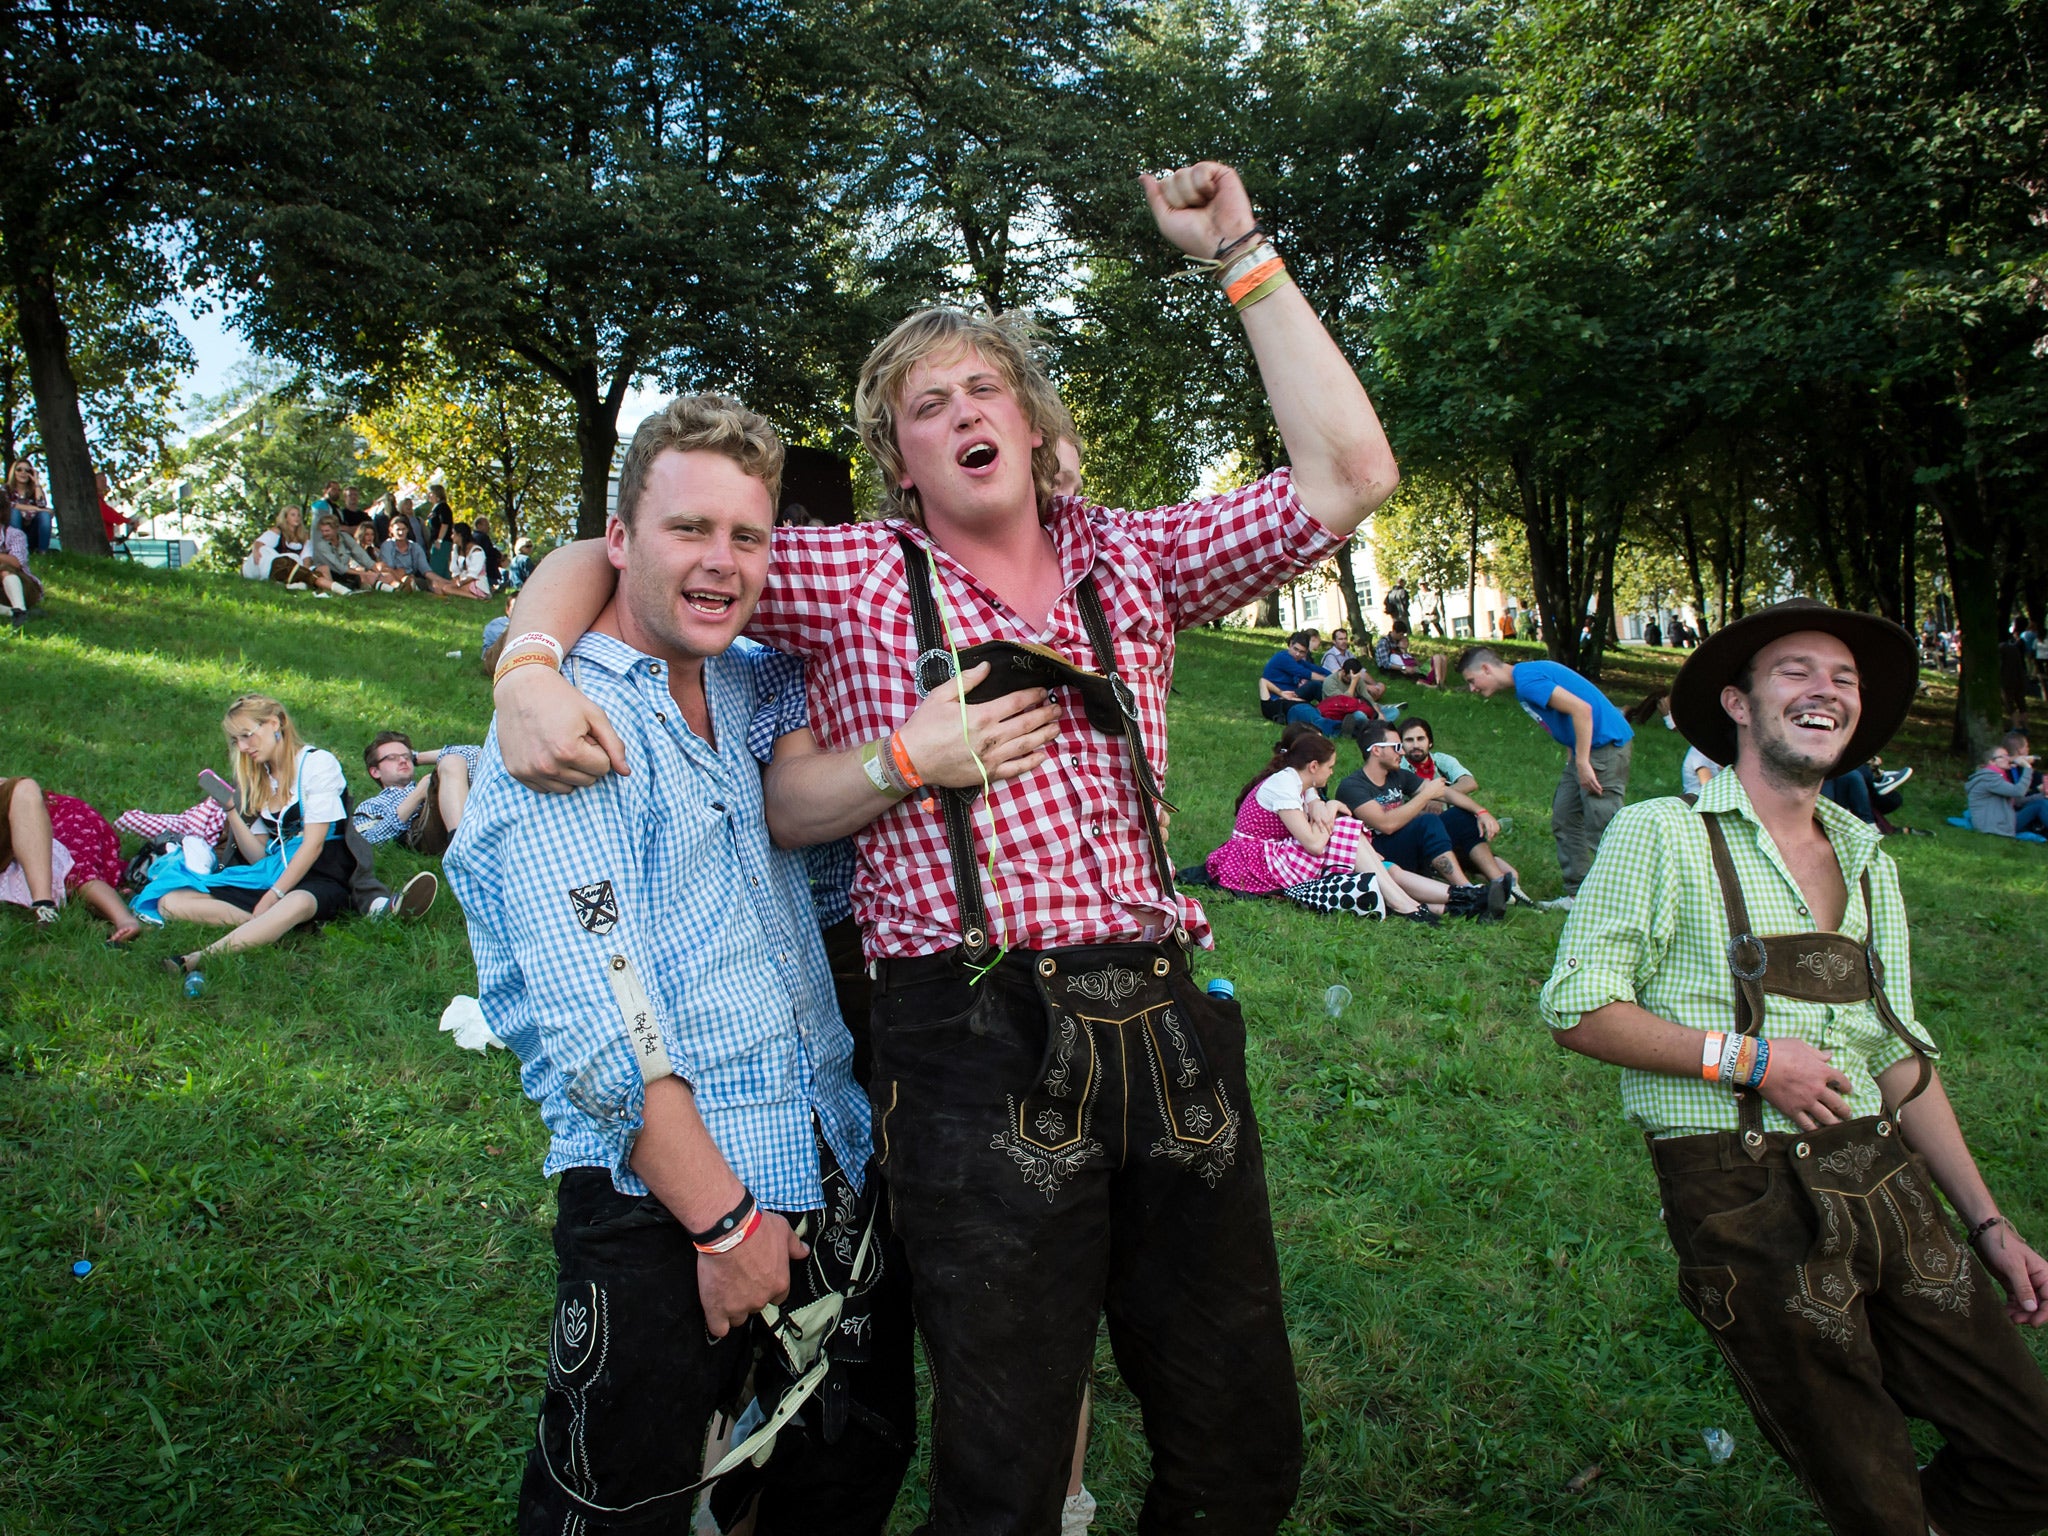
51	847
290	825
1289	840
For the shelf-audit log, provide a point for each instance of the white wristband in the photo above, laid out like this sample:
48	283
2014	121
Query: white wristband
534	637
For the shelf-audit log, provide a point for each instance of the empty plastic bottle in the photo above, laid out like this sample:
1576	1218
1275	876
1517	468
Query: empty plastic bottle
1222	986
195	983
1720	1444
1336	1000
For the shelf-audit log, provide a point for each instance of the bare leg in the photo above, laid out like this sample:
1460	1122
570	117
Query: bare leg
28	824
1398	901
1448	869
256	930
1081	1439
1433	894
451	786
1483	860
198	907
106	901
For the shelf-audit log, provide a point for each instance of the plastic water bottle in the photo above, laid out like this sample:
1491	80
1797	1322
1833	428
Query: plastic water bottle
1336	1000
1720	1444
1222	986
195	983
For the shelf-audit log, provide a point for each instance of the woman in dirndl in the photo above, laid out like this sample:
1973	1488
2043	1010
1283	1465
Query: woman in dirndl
53	847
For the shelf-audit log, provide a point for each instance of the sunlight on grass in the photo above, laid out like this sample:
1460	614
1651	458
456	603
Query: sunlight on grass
323	1274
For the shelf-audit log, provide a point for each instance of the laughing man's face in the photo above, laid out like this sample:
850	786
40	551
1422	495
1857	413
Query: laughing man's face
695	558
1803	705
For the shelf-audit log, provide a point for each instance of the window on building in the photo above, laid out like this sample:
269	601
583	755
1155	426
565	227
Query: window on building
1312	604
1462	628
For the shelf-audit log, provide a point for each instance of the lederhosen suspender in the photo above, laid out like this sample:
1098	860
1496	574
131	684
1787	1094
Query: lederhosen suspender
1812	967
935	664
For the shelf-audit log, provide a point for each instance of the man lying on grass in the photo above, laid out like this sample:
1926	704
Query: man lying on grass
1745	960
1064	1116
656	965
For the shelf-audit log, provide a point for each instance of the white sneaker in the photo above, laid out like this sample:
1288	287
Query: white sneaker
295	586
1556	904
417	894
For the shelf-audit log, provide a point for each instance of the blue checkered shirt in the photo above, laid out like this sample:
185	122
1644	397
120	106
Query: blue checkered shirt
655	899
377	817
784	709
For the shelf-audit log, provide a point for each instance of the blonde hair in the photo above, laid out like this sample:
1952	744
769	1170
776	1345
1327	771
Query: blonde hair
707	423
257	791
1008	342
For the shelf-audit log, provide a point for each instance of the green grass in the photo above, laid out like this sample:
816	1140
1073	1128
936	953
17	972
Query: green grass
323	1274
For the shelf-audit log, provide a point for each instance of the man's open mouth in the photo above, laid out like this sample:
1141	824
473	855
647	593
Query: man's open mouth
1815	720
978	455
713	605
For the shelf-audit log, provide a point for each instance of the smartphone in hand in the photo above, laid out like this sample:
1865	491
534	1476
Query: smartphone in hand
218	789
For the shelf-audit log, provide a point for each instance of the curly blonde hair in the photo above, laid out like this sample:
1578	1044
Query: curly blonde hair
1008	342
710	423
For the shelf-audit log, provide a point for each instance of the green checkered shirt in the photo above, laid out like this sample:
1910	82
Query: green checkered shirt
1649	927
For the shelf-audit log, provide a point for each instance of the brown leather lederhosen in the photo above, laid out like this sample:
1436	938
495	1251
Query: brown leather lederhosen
1813	967
1831	1279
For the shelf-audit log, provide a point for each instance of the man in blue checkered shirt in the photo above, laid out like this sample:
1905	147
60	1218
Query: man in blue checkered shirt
657	966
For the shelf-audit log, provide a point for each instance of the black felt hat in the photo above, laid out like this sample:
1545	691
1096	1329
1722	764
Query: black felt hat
1887	661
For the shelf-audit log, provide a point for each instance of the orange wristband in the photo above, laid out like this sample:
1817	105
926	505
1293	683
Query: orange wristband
900	756
1253	278
523	659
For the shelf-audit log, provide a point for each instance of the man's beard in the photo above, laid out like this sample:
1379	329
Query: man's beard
1778	761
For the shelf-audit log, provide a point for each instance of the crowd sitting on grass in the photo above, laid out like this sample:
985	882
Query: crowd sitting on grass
292	856
1288	840
1425	825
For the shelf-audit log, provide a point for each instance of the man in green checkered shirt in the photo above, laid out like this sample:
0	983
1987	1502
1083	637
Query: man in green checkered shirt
1745	962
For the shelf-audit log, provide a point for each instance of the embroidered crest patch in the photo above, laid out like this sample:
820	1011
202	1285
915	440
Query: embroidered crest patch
597	909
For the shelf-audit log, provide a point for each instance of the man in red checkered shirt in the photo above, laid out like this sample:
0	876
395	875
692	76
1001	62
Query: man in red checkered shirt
1061	1115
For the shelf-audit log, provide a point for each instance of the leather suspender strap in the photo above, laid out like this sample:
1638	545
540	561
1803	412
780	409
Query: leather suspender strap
1746	965
1921	1051
956	806
935	664
1149	797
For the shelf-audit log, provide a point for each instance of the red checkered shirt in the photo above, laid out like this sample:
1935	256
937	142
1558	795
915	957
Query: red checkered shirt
1072	865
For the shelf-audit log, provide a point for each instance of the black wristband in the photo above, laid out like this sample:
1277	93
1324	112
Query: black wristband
1984	1226
727	1224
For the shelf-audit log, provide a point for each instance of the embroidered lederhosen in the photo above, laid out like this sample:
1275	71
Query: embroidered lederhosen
1104	1004
1863	1159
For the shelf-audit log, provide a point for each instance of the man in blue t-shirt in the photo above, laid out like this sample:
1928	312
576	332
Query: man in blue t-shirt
1597	742
1291	683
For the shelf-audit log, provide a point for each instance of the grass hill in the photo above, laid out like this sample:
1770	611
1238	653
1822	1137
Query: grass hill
323	1276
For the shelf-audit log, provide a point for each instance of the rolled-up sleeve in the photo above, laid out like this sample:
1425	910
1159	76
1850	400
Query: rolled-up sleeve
1214	554
1621	922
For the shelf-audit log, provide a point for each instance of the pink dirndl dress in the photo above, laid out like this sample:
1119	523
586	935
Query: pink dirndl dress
1262	855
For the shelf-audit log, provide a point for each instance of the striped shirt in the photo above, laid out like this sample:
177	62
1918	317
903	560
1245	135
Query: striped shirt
1649	927
656	898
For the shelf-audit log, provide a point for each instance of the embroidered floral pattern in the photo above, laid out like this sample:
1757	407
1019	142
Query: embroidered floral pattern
1044	1170
1051	1124
1190	1071
1828	1323
1112	984
1952	1295
1852	1161
1059	1082
1210	1159
1197	1119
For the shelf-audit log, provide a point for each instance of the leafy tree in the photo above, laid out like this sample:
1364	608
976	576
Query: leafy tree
605	191
501	438
110	116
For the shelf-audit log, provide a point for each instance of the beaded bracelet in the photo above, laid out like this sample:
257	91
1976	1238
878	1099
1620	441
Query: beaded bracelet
1985	1226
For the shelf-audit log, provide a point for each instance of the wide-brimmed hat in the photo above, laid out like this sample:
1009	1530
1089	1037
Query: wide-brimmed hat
1887	661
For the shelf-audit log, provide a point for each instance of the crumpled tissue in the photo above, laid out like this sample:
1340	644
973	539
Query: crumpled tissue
465	1020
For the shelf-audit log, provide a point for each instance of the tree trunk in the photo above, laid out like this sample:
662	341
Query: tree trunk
597	439
1692	562
1472	574
10	402
1268	616
1354	610
1969	540
47	344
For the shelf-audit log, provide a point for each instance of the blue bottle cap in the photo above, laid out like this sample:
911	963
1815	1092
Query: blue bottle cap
1222	986
82	1268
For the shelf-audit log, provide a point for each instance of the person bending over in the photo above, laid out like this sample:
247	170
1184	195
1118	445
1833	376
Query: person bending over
1423	825
422	815
655	963
1746	962
1598	745
53	847
296	860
